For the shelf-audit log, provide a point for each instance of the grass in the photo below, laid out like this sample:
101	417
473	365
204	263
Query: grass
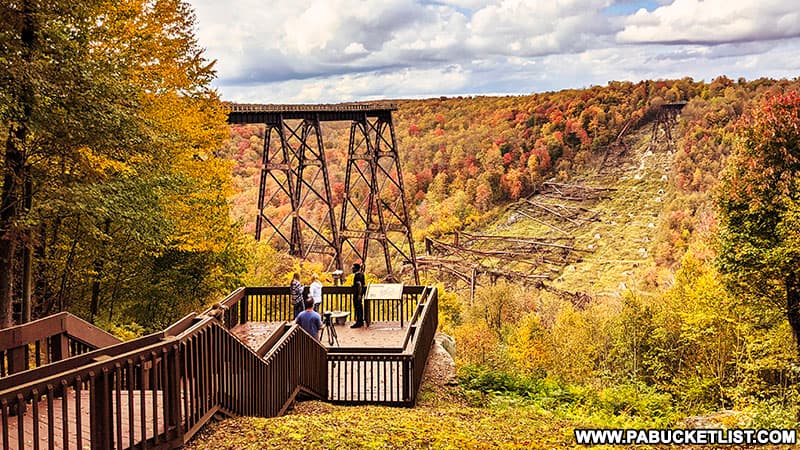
438	422
445	418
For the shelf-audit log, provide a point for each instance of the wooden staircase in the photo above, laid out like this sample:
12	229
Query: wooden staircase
159	390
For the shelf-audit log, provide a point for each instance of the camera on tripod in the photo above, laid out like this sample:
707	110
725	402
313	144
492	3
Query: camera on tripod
329	329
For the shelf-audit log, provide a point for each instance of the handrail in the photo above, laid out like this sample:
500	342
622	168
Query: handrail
95	366
181	325
273	339
233	297
428	316
62	322
79	361
417	312
159	390
424	339
48	340
177	380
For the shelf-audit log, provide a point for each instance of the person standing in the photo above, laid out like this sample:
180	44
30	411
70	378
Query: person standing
309	319
315	291
296	290
358	292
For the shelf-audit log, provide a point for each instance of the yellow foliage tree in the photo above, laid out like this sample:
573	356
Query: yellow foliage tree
526	345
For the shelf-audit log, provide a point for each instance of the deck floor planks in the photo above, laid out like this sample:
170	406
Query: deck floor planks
28	421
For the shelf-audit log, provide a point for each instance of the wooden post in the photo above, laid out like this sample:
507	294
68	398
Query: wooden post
100	420
18	359
172	395
243	309
59	347
408	380
402	310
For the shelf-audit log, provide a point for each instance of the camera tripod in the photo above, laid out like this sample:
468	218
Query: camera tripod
330	330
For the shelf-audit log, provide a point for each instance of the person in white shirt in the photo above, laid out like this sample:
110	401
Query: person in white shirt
315	291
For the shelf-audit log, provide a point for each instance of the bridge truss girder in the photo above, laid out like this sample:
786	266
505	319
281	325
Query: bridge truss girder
295	173
374	207
296	169
666	118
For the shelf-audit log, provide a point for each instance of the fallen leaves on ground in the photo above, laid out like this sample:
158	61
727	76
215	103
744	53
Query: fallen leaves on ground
321	425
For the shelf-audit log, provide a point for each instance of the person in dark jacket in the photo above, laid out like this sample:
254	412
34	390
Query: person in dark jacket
296	289
358	292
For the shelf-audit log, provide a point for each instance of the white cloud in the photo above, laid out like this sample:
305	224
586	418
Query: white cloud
343	50
318	37
355	48
534	28
713	22
407	83
464	4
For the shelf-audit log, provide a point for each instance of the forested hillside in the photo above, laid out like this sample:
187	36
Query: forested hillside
465	156
656	319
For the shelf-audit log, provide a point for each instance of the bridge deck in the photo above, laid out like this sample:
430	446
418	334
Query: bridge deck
241	113
335	107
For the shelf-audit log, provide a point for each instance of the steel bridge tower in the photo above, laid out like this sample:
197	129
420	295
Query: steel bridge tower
296	208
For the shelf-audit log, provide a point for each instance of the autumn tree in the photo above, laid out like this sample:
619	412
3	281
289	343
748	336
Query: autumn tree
109	168
759	209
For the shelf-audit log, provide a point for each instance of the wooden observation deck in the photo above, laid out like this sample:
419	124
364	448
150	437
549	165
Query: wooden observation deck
69	385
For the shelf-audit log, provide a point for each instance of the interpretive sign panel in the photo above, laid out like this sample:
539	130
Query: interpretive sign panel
388	291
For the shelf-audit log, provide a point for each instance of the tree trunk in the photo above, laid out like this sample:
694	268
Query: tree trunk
27	253
98	275
95	301
40	290
9	212
7	249
62	291
793	305
14	172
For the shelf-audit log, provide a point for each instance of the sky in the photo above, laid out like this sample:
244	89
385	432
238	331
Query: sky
328	51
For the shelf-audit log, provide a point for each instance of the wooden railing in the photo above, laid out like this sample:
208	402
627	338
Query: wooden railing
273	304
159	390
421	335
390	376
385	375
48	340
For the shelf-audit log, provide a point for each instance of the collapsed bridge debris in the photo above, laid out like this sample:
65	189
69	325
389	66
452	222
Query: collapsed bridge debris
530	261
